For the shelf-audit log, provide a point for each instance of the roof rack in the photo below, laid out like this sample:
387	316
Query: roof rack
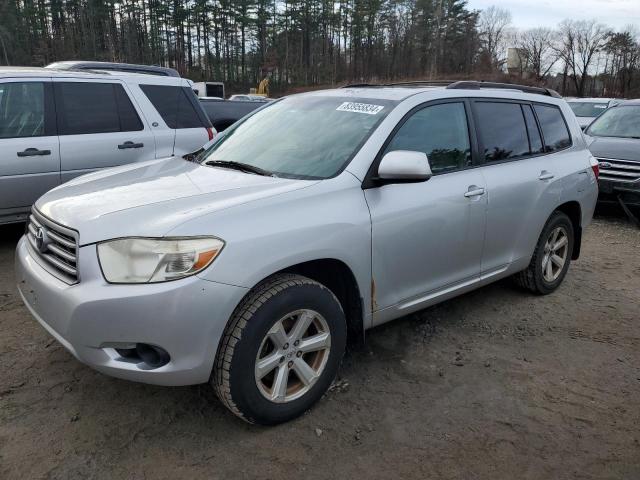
474	85
115	66
462	84
412	83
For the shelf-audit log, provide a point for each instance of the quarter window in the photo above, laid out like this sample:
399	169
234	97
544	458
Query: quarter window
441	132
503	132
85	108
173	106
554	129
22	108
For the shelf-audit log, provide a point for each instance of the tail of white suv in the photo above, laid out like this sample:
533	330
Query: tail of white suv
56	125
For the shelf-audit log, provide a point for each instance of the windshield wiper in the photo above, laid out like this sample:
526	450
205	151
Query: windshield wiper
243	167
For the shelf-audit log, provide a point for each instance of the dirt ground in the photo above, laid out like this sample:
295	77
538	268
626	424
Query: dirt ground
496	384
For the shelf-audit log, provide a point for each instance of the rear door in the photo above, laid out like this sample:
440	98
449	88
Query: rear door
29	152
522	181
99	126
180	111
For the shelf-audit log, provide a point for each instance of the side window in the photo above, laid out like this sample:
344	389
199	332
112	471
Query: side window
22	108
173	106
554	129
85	107
503	133
535	142
441	132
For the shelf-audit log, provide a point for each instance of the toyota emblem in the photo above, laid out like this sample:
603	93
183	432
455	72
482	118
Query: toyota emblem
41	239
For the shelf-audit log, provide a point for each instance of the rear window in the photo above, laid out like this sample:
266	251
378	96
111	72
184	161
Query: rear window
535	142
85	108
503	132
554	129
173	105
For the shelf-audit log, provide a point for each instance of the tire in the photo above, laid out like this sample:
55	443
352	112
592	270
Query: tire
535	278
255	333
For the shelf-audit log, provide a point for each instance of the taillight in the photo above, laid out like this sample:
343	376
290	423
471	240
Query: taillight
211	133
595	166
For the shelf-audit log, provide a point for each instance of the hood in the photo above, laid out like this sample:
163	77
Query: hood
614	148
151	198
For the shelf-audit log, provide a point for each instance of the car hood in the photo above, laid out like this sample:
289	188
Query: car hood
151	198
614	148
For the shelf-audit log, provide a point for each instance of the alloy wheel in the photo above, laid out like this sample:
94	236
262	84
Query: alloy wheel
292	356
556	252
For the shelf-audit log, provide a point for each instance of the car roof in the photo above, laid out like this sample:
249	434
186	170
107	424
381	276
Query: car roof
633	101
127	77
400	93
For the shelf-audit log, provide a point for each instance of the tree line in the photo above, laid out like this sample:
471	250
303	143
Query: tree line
302	43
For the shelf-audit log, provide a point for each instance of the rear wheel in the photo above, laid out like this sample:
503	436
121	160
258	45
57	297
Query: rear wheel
281	350
551	257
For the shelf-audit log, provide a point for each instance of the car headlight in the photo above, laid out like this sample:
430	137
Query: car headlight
151	260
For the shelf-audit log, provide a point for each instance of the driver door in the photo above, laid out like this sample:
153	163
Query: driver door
427	237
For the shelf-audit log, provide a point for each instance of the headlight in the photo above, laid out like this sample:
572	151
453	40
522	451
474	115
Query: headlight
151	260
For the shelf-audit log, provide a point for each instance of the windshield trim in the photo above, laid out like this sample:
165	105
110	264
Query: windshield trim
392	105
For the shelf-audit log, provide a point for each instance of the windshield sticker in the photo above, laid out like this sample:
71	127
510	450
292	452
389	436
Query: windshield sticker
367	108
600	106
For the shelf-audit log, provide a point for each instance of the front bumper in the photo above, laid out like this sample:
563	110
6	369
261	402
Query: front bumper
185	317
612	191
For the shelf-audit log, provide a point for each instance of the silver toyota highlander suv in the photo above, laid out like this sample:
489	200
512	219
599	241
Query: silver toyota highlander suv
317	217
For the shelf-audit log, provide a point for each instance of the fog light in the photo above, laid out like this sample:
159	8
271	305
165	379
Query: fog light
151	355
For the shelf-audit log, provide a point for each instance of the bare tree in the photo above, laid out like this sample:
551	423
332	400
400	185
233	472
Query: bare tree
579	43
537	49
493	27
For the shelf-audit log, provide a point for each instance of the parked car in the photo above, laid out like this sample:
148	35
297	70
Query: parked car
588	109
313	219
250	98
58	124
224	113
614	139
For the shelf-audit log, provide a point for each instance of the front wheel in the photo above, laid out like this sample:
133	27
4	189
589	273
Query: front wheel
551	257
281	350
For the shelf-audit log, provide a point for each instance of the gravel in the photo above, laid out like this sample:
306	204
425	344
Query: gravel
497	383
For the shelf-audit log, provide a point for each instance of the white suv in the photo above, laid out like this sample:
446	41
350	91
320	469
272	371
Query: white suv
56	125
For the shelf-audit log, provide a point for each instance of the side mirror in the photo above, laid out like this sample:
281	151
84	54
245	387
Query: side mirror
404	166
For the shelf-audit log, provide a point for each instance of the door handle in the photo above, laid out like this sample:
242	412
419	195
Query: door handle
130	144
544	175
474	191
33	152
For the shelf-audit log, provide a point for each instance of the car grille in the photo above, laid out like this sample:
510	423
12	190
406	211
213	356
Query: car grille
619	170
56	246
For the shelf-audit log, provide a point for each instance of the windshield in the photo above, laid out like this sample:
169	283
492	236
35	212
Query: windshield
310	137
587	109
621	121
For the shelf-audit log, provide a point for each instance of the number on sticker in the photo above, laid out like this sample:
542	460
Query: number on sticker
354	107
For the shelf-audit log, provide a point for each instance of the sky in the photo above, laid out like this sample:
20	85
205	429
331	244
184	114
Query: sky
548	13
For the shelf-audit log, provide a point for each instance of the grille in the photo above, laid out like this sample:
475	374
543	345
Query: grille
619	170
56	246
